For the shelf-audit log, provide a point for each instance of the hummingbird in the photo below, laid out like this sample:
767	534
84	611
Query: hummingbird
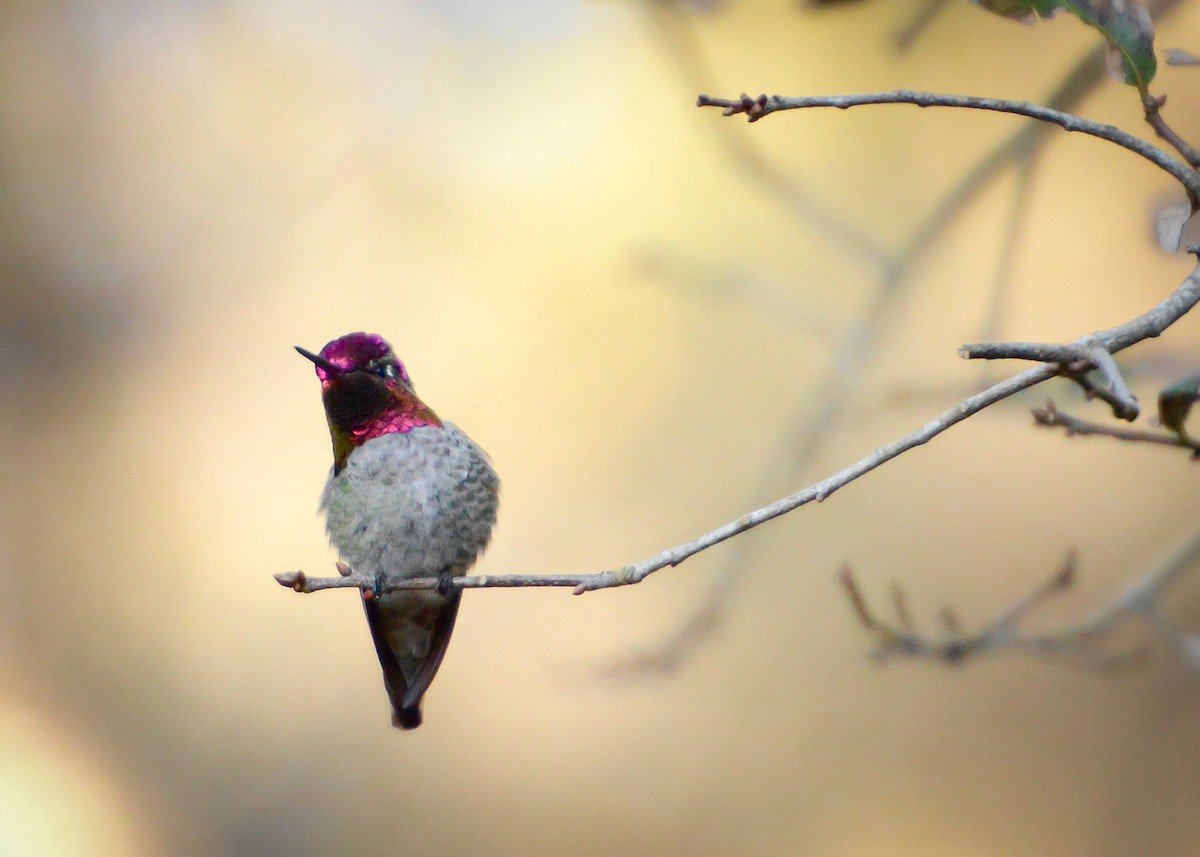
409	496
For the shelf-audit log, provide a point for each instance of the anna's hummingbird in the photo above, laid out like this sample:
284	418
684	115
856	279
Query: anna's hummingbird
409	496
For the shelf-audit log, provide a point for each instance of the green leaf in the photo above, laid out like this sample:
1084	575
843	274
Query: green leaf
1125	25
1175	403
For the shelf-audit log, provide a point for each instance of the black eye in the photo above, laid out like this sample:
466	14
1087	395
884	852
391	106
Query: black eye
387	370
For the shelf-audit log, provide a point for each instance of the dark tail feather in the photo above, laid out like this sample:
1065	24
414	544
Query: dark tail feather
406	718
393	614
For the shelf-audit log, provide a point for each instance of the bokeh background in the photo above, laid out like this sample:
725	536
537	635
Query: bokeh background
623	299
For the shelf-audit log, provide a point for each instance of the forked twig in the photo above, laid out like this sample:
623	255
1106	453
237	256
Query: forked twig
1080	642
1051	417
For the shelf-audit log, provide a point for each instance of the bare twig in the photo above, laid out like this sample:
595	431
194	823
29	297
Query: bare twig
1149	324
1117	394
1078	641
301	582
902	639
904	615
1074	361
1153	111
1156	366
1051	417
1042	352
764	105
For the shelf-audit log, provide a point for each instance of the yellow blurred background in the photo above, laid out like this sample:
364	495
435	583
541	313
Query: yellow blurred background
523	199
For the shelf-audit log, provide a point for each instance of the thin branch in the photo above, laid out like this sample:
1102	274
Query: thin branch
1153	111
1116	394
1149	324
904	615
764	105
902	639
1051	417
801	438
1143	593
301	582
1042	352
1122	400
1163	364
1078	641
1074	361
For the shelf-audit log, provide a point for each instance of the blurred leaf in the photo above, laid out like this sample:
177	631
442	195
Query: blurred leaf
1018	10
1130	33
1169	222
1125	24
1175	402
1178	56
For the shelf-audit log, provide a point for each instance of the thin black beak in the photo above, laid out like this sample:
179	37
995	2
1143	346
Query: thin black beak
320	361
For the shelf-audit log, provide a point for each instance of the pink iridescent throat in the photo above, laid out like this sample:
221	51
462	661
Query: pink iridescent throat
405	413
409	413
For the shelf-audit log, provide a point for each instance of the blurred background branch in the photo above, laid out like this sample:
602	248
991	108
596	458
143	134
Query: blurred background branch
1081	642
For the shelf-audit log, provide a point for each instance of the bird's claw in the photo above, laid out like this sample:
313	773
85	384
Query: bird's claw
373	591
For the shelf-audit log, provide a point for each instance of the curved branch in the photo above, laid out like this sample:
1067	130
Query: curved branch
765	105
1149	324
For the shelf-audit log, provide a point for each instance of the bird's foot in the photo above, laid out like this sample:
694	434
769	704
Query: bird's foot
374	590
444	585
